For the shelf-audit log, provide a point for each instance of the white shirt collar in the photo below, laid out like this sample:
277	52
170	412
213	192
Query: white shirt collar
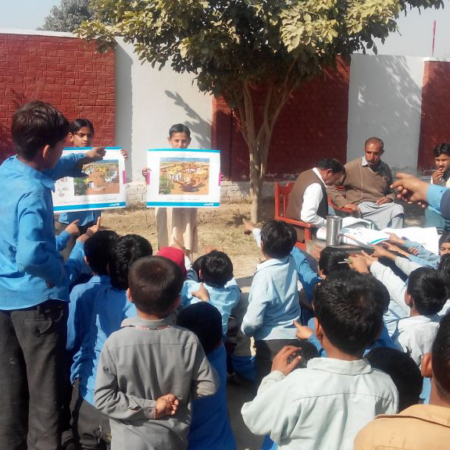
339	366
317	172
271	262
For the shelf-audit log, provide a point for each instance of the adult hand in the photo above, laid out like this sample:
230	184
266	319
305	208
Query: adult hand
96	154
382	201
410	189
303	332
166	405
354	208
286	360
72	228
437	176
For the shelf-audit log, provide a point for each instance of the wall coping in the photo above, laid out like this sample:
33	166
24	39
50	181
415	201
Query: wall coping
37	33
432	59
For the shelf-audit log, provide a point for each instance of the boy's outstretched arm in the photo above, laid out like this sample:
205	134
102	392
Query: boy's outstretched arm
116	404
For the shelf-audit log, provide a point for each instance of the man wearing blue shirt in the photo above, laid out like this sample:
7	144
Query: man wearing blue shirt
33	281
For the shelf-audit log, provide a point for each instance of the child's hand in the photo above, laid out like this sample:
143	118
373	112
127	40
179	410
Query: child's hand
380	252
248	226
395	239
72	228
286	360
92	230
358	263
124	153
166	405
145	172
201	293
303	332
96	154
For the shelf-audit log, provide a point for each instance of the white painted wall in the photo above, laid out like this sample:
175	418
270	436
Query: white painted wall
149	101
385	97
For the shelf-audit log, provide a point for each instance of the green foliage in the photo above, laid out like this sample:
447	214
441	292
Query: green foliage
69	16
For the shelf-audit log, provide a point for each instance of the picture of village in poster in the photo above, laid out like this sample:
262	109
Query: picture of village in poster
102	178
182	176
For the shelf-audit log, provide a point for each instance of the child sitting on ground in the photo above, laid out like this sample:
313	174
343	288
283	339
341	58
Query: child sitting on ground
216	276
273	302
420	300
326	404
210	427
109	310
150	368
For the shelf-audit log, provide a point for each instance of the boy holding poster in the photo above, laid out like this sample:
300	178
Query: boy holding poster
177	225
33	283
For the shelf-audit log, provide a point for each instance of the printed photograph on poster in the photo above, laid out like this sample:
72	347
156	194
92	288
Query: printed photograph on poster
183	178
102	187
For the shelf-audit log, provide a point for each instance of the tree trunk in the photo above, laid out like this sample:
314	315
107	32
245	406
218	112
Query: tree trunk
258	138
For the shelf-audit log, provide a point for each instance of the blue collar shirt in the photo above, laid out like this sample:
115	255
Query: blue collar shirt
31	270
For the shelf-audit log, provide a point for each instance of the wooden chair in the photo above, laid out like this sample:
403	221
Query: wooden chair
281	201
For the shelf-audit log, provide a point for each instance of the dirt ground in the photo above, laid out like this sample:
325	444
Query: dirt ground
222	229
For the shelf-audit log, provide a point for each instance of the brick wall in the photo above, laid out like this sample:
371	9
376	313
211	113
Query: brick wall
313	125
64	71
435	127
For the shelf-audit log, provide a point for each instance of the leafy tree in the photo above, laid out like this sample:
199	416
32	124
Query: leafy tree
248	49
69	16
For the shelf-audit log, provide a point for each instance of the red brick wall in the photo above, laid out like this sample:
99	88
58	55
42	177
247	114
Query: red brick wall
435	124
66	72
313	125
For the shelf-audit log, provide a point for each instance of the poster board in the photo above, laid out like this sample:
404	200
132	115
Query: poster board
103	187
183	178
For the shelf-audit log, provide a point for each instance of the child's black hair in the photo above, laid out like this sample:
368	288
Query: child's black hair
197	265
402	369
98	249
77	124
428	290
179	128
125	251
333	260
441	149
444	271
155	284
217	269
278	238
440	356
35	125
204	320
444	239
349	307
307	351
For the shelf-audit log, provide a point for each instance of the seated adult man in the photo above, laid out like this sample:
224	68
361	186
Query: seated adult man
440	177
308	201
367	184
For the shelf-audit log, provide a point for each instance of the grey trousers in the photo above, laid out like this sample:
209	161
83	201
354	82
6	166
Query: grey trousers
388	215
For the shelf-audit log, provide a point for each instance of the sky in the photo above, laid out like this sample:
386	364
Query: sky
415	38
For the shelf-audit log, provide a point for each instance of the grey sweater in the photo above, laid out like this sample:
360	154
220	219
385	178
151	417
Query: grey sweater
141	362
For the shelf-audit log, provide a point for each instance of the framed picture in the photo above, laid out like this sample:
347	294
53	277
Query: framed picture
183	178
102	187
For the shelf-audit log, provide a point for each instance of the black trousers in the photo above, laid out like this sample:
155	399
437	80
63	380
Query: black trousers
32	347
91	427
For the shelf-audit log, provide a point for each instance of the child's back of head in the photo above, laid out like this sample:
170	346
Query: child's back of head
125	251
205	321
428	290
35	125
333	260
216	269
402	369
278	239
98	250
349	307
155	285
440	359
